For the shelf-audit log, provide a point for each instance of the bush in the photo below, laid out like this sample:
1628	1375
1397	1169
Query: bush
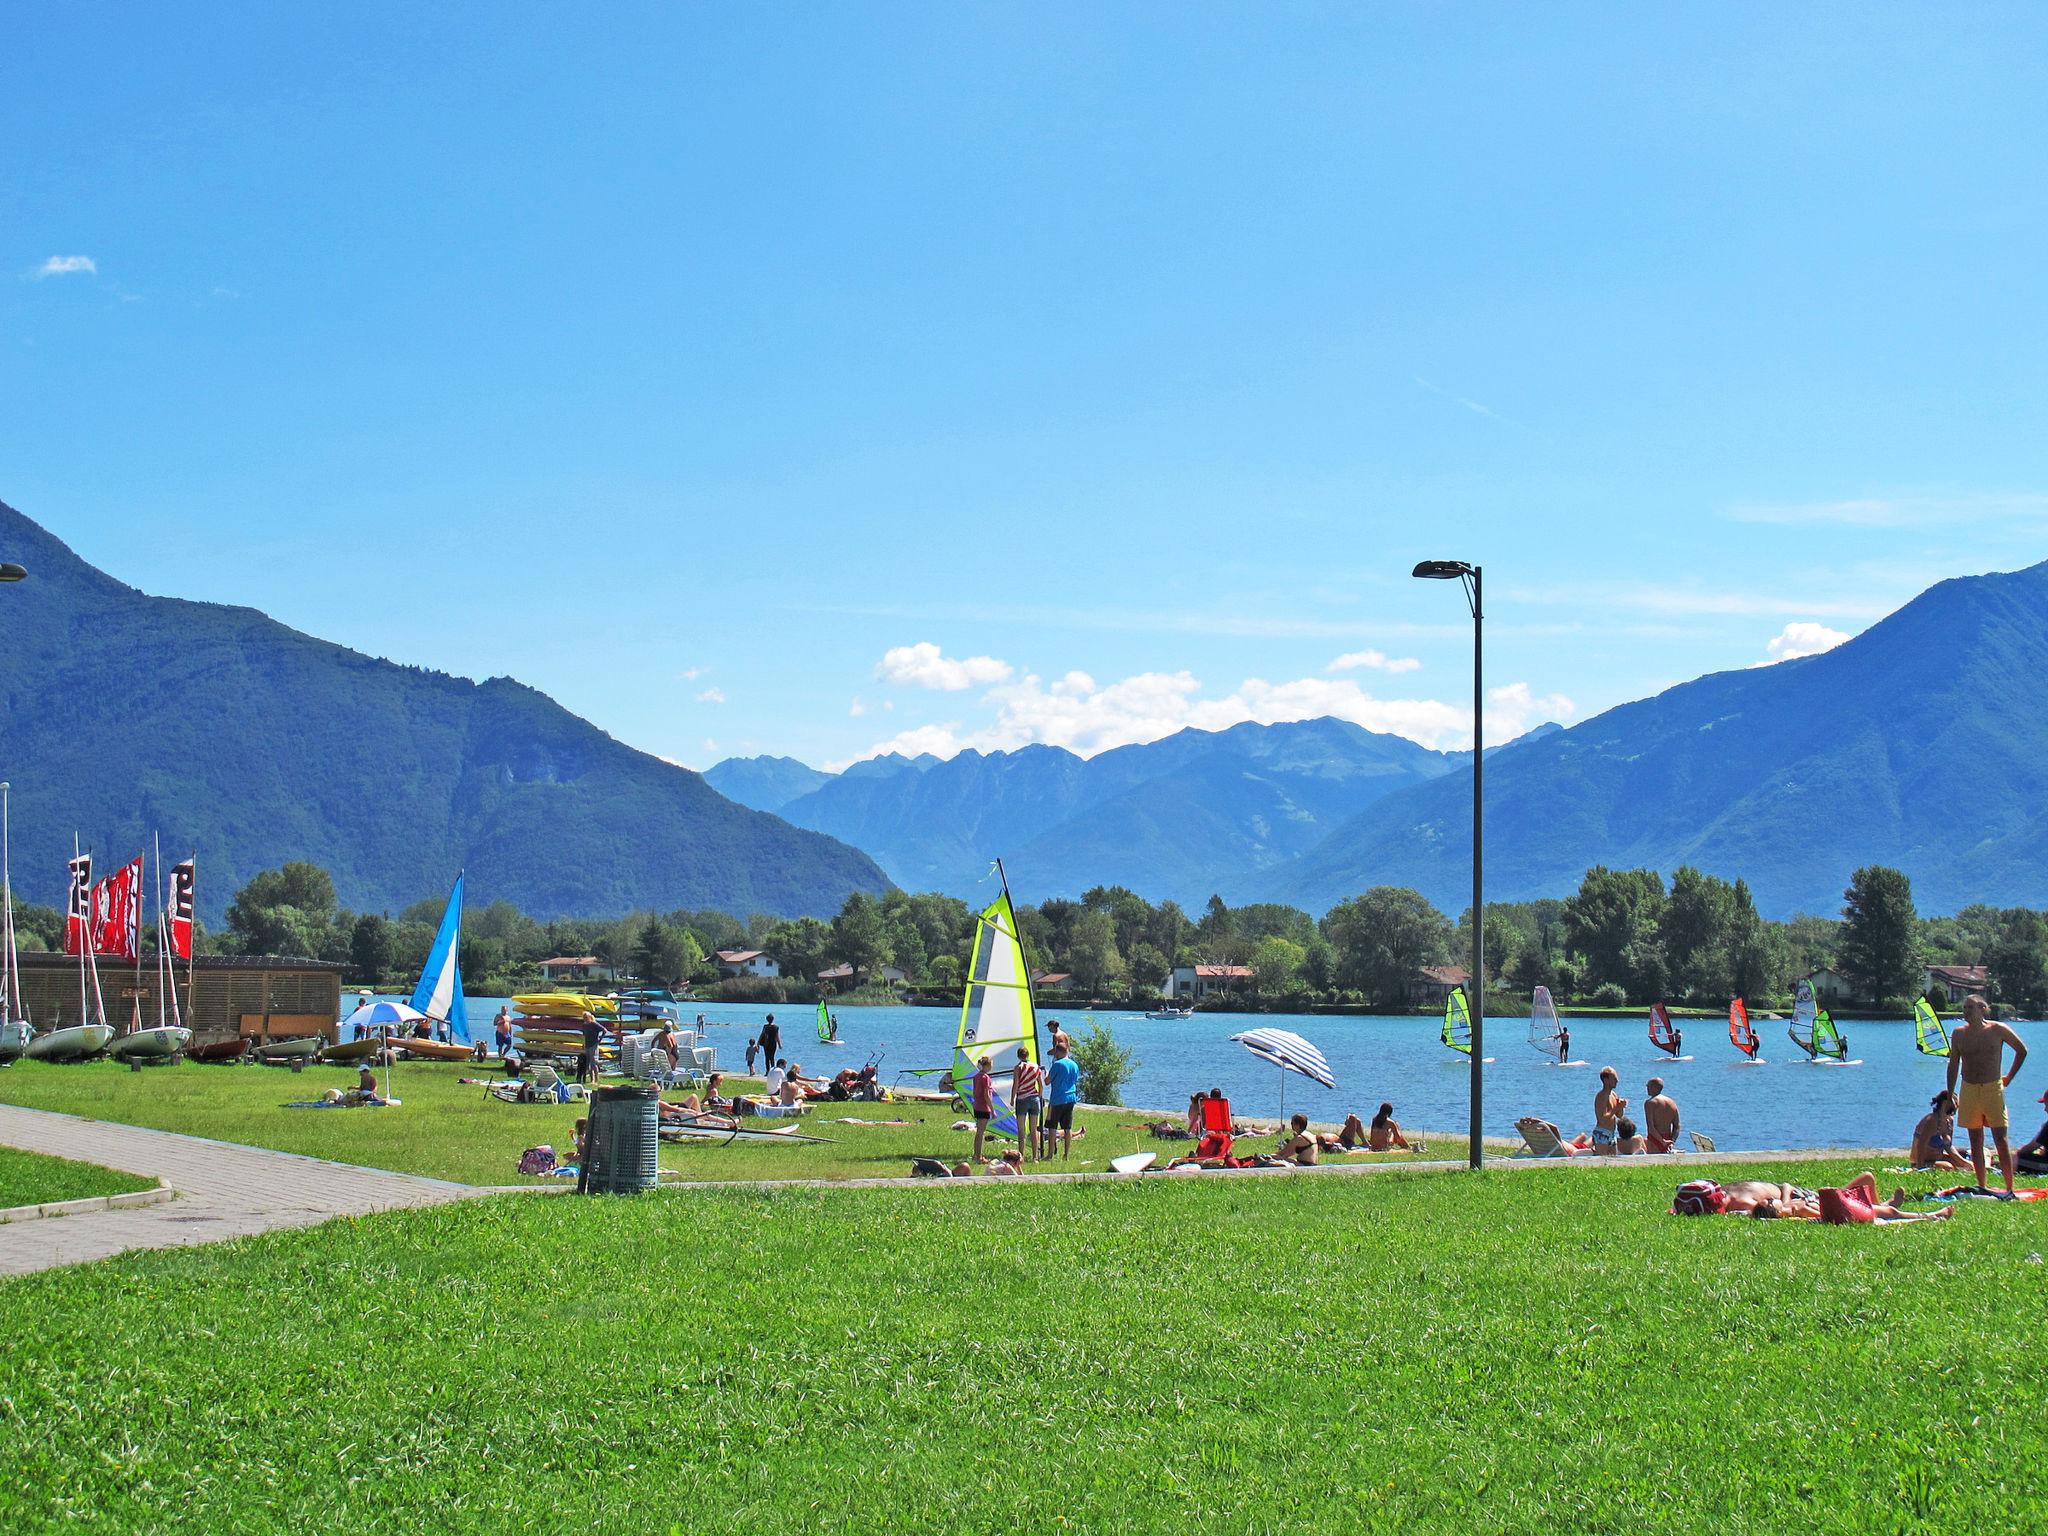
1105	1065
750	989
1609	994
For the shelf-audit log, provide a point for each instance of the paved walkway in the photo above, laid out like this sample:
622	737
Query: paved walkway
224	1190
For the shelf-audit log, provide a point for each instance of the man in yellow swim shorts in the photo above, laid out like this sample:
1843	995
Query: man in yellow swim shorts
1976	1052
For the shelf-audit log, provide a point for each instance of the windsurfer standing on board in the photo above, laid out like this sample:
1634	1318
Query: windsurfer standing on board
1564	1045
1976	1051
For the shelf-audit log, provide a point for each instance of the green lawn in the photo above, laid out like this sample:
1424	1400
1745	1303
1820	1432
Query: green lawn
1533	1351
448	1130
28	1178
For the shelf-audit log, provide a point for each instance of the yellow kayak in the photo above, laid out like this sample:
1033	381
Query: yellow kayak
564	1005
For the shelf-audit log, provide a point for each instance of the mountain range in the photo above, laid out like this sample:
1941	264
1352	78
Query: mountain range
1922	743
250	743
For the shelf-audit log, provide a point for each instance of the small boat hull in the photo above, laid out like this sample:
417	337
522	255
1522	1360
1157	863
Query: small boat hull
159	1044
14	1039
353	1050
81	1042
436	1050
220	1050
299	1047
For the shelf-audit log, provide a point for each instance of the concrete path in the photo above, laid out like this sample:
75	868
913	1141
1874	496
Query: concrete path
224	1190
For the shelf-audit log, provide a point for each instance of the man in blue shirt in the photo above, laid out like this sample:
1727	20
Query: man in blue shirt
1063	1088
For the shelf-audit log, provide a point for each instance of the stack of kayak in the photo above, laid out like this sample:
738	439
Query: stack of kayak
551	1023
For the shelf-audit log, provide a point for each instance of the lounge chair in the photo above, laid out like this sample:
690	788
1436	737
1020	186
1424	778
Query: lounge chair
1701	1143
1538	1140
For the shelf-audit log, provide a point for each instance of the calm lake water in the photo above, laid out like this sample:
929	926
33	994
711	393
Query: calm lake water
1784	1102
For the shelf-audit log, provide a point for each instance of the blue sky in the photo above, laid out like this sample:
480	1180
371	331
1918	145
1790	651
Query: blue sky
803	379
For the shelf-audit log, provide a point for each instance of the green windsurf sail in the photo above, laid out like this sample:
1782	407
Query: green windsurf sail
996	1015
1827	1040
824	1021
1930	1034
1458	1021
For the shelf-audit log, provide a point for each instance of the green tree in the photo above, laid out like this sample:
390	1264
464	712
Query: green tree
1612	925
859	936
798	946
1105	1065
285	911
1758	961
1694	933
1880	948
1276	963
1383	938
1092	953
665	954
945	973
369	947
2018	959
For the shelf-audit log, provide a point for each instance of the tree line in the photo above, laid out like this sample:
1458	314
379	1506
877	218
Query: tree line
1623	938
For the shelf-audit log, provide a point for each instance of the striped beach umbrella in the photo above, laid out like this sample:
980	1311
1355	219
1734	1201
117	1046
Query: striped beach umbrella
1289	1052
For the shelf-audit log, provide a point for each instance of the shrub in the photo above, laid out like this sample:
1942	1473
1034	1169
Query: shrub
1609	994
1105	1065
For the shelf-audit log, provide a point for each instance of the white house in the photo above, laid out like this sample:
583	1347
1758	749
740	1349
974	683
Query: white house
1434	984
1958	981
746	962
842	975
1830	986
1192	983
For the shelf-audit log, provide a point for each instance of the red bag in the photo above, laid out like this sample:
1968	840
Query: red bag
1842	1207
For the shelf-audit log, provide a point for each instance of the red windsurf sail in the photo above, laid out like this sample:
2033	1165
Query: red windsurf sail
1663	1034
1740	1032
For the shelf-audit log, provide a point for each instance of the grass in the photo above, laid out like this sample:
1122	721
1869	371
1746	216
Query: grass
29	1178
448	1130
1509	1351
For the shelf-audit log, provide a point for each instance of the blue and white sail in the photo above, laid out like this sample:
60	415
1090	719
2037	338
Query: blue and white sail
439	994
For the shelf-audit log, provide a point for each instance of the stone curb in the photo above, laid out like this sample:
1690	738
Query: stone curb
134	1199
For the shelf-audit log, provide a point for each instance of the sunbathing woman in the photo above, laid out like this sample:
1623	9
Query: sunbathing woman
1934	1138
1300	1150
1767	1200
1386	1131
1352	1138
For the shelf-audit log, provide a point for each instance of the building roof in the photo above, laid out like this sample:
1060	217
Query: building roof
1225	972
1967	975
51	959
836	973
571	960
1446	975
1052	978
739	956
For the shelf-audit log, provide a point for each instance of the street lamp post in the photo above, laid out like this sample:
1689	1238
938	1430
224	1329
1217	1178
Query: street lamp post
1458	570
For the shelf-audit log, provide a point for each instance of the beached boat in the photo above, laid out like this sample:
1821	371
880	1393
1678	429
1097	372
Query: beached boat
215	1051
163	1042
435	1050
80	1042
346	1052
722	1129
439	993
296	1047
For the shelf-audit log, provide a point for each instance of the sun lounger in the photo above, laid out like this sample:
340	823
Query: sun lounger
1701	1143
1538	1140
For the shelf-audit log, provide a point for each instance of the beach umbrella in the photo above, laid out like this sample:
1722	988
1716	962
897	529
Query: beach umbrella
383	1015
1290	1053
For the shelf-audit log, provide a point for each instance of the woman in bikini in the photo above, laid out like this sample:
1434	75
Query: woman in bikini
1934	1138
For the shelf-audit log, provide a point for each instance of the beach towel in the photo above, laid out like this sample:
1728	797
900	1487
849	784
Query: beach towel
537	1160
1845	1207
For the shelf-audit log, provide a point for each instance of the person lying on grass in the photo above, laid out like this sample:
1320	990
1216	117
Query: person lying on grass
1934	1138
2033	1157
1009	1166
1768	1200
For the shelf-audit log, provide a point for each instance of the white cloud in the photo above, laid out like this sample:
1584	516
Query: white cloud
856	709
711	696
1085	717
710	744
1378	661
1911	509
923	665
1802	639
691	674
64	266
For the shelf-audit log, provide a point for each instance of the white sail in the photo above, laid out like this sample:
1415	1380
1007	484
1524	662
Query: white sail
996	1015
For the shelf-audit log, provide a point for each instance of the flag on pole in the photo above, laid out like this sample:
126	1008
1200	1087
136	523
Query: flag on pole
78	908
181	910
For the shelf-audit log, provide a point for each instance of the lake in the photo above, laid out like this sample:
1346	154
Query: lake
1784	1102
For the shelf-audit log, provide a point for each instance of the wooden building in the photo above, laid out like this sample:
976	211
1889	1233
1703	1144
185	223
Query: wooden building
262	996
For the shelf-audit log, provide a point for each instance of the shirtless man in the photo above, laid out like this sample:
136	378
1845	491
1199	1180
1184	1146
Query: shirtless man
1607	1108
1660	1118
1977	1050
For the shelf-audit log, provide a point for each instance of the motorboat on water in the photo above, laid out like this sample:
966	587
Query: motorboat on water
1170	1013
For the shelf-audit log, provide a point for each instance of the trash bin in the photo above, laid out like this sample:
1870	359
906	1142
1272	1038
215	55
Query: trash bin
622	1145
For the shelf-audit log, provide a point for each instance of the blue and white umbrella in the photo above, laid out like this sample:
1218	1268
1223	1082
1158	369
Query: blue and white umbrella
1289	1052
383	1015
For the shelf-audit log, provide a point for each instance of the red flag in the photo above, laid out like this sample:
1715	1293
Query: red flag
77	910
117	912
181	910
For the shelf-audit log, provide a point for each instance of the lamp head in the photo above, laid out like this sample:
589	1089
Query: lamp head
9	571
1441	570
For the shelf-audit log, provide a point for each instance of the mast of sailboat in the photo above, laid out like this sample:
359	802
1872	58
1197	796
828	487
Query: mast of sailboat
81	908
11	1010
135	928
1037	1053
191	945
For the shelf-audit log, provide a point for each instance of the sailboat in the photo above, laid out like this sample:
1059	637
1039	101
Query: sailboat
92	1034
996	1015
1548	1036
1813	1030
1457	1030
1742	1034
15	1029
169	1038
439	993
1664	1034
828	1027
1929	1034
